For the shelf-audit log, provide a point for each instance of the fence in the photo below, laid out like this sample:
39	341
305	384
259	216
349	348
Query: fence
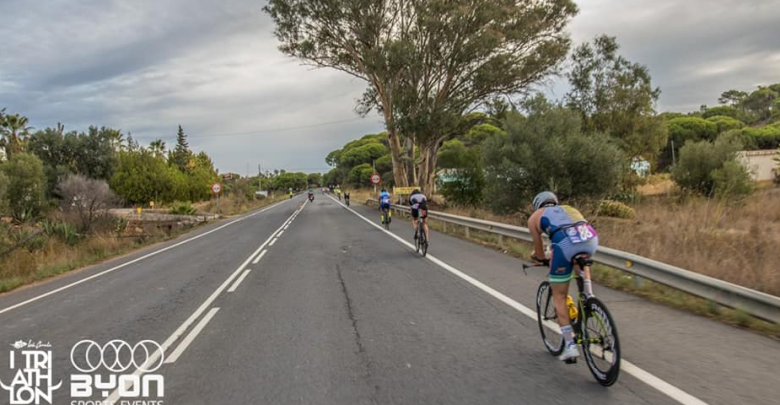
756	303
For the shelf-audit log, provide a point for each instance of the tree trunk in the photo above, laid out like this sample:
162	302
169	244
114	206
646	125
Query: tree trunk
427	167
399	168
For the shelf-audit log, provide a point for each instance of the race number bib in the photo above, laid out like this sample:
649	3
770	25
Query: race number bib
581	233
385	201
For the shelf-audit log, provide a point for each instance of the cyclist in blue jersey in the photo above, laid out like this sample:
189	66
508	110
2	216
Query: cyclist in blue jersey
570	235
384	204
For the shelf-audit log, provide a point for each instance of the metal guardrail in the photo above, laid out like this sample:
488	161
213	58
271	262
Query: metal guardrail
756	303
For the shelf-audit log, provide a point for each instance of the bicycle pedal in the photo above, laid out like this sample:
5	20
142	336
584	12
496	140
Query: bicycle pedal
571	361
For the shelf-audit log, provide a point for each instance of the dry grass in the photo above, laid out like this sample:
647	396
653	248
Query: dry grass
235	204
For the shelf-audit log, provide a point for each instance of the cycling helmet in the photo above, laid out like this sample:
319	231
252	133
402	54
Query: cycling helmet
384	190
415	192
544	199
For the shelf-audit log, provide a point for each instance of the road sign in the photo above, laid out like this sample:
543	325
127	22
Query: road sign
376	179
216	188
404	190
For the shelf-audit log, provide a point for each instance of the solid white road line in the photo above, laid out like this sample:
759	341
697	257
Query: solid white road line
626	366
191	336
83	280
240	279
202	308
272	242
260	256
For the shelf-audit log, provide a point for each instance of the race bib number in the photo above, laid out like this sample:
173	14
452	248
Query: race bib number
385	201
581	233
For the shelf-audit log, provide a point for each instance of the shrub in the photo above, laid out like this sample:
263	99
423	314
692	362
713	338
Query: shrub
88	198
182	208
615	209
63	231
725	123
26	186
711	168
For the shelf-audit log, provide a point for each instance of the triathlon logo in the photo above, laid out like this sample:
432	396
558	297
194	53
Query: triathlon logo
129	369
32	382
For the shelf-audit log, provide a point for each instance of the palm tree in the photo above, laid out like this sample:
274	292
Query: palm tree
14	131
157	147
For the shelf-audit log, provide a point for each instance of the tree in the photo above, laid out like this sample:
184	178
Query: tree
157	147
711	168
616	96
722	110
520	165
88	198
426	62
725	123
732	97
94	156
26	186
685	129
360	175
14	131
463	181
3	192
141	178
314	179
181	155
759	103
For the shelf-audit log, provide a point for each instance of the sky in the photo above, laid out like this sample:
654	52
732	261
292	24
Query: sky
147	66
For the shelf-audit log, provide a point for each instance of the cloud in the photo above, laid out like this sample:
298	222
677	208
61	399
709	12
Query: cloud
146	66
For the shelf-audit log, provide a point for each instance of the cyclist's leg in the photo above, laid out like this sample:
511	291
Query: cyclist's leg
561	272
425	226
415	215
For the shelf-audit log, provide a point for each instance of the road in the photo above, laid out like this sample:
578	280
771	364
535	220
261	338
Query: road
313	303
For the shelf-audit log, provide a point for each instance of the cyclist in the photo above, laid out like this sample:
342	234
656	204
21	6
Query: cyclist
346	197
384	204
338	192
570	235
291	194
419	204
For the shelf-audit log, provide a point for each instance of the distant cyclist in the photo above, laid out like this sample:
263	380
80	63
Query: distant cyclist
419	203
570	235
338	192
346	197
384	204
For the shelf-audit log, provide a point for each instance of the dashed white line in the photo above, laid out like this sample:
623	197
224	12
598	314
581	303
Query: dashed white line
272	242
191	336
260	256
240	279
279	235
670	390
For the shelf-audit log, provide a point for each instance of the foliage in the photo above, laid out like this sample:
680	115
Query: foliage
63	231
26	186
722	110
360	175
466	177
182	208
704	168
759	103
295	181
363	154
87	198
13	133
426	62
140	178
615	209
767	137
314	179
725	123
4	182
732	97
181	156
684	129
616	96
333	177
548	150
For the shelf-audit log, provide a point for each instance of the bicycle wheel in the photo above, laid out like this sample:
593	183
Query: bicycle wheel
600	342
417	242
547	319
387	220
424	243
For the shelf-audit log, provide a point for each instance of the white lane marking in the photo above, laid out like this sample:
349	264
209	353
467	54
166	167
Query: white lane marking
285	228
183	327
240	279
272	242
260	256
280	234
104	272
626	366
191	336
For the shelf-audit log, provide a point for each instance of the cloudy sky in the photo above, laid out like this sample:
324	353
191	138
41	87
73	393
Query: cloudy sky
146	66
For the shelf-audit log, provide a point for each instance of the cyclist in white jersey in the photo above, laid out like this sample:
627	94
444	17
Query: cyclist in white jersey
419	204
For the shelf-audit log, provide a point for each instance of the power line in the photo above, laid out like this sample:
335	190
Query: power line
259	132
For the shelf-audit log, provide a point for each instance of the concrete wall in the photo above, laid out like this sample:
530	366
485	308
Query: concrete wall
760	163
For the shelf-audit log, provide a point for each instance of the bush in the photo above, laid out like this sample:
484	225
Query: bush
615	209
547	150
182	208
26	189
88	198
725	123
685	129
711	168
63	231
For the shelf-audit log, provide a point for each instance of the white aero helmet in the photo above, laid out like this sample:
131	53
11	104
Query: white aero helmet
544	198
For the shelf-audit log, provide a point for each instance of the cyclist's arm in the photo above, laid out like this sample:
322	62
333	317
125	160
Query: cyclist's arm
535	228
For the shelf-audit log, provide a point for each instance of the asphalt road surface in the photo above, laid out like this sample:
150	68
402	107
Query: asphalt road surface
313	303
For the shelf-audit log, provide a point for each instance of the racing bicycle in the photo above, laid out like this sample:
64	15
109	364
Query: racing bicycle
387	216
420	241
593	325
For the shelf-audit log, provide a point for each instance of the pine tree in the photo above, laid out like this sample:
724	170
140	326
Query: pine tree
181	155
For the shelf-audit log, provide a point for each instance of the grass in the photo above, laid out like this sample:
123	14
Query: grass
24	266
623	281
236	204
